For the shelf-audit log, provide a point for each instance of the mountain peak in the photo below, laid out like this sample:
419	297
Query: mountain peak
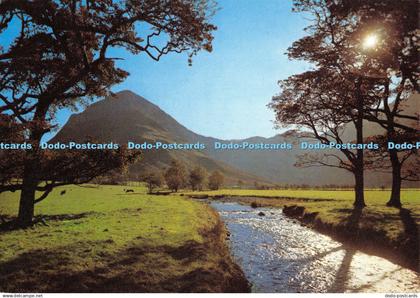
126	100
126	94
126	116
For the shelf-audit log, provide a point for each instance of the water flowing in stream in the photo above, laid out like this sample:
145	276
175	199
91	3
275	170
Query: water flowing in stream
277	254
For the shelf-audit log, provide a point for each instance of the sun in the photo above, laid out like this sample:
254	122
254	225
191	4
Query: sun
370	41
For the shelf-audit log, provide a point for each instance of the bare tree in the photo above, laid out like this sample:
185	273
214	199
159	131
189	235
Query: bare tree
373	45
321	102
392	58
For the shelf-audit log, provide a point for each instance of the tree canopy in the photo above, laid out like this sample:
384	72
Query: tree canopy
59	58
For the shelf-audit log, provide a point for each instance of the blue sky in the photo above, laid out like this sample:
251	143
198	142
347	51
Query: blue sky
224	93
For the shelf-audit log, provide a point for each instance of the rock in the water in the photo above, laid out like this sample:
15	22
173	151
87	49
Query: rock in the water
254	205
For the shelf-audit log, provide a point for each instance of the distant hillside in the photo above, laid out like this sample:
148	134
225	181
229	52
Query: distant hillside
410	107
279	166
129	117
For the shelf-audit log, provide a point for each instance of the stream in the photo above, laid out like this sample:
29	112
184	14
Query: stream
277	254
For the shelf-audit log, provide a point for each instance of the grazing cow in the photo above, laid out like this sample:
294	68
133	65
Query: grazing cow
62	192
129	190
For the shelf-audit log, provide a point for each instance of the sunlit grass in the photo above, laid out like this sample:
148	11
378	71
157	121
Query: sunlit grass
93	228
111	215
408	196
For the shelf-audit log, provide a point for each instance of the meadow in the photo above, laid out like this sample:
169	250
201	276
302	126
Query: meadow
92	238
102	239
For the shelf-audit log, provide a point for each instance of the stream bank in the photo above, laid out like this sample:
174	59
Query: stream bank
403	251
278	254
383	231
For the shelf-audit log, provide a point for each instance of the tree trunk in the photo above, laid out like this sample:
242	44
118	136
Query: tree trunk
359	201
32	164
30	182
27	195
395	199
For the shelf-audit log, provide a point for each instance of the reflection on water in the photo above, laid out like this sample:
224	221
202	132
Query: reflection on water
277	254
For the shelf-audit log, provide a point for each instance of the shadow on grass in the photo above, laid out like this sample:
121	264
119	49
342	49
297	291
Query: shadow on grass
64	270
61	271
96	266
353	220
11	223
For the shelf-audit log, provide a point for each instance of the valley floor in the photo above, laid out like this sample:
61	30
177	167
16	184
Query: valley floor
102	239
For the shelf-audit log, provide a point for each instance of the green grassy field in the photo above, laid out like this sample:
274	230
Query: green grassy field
103	239
335	208
373	196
